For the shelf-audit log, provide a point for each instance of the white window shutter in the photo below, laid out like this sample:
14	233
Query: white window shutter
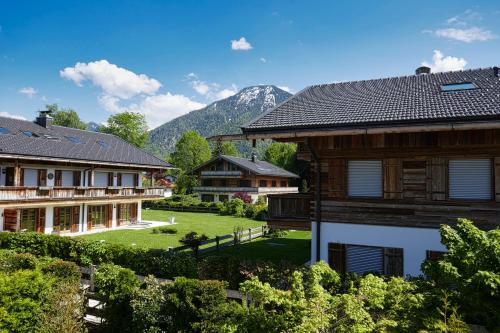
470	179
365	179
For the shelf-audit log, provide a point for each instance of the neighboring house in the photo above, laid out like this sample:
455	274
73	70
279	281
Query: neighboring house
391	160
224	176
59	180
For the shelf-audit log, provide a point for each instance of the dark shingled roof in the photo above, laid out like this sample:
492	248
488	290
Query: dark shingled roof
258	167
53	142
398	100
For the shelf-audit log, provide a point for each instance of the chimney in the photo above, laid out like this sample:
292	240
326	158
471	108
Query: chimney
44	119
423	70
254	157
495	71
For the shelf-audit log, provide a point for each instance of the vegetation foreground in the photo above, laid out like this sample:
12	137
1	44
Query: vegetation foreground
460	289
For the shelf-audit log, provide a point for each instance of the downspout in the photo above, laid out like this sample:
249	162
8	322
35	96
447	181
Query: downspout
317	206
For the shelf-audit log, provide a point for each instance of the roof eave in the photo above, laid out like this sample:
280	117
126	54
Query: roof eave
70	160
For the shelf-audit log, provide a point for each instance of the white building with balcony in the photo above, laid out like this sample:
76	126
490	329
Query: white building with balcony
55	179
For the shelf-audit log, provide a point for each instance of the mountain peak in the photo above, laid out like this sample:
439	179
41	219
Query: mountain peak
221	117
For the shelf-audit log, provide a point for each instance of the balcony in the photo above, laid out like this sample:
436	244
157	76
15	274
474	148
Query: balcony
40	193
289	211
221	174
256	190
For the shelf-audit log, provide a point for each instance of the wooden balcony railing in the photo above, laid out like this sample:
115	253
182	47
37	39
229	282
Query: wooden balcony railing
11	193
289	211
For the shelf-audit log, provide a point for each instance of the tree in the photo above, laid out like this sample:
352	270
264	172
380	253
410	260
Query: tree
282	155
65	117
193	240
190	151
470	270
225	148
129	126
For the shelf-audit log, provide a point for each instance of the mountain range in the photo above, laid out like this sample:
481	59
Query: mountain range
225	116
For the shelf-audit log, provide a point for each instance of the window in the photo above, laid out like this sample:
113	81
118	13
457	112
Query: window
262	183
365	179
206	182
223	197
207	198
4	130
233	167
223	182
65	218
458	86
470	179
126	213
30	134
434	255
244	183
283	183
28	219
97	216
361	259
73	139
273	183
103	144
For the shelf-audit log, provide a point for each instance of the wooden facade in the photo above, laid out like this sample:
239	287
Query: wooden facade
415	177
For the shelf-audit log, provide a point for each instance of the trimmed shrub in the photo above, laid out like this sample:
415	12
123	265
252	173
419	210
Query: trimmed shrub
83	252
63	270
164	230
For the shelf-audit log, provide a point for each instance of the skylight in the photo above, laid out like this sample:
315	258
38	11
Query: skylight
458	86
4	130
103	144
73	139
30	134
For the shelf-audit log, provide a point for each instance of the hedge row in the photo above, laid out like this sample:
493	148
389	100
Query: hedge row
83	252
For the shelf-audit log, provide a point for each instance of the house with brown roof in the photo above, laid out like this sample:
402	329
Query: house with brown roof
55	179
391	160
224	176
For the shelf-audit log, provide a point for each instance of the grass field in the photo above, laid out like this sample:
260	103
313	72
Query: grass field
203	223
295	247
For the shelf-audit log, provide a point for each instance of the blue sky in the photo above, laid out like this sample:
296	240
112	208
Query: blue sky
165	58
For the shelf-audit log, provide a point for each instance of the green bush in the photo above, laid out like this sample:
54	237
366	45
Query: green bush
115	286
85	252
164	230
235	207
175	307
39	294
63	270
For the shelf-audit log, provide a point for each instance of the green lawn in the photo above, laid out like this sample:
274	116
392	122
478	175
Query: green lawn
203	223
295	247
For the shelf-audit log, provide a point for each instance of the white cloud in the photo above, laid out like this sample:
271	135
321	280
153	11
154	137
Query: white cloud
462	28
225	93
285	88
113	80
445	64
263	60
211	91
10	115
28	91
158	109
467	35
241	45
124	90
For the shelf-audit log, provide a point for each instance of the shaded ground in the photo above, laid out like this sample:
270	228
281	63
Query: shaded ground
294	247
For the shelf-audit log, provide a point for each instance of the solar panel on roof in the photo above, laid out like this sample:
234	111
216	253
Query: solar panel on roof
4	130
30	134
103	144
73	139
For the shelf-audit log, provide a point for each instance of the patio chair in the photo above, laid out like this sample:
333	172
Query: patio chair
171	220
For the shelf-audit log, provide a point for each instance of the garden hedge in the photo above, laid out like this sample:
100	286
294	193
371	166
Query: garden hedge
160	263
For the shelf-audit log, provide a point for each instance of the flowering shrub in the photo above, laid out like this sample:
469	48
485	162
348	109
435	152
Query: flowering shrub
246	198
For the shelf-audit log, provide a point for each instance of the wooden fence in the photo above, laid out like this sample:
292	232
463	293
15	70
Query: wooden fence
220	242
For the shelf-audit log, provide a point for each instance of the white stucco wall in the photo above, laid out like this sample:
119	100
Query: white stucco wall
414	241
